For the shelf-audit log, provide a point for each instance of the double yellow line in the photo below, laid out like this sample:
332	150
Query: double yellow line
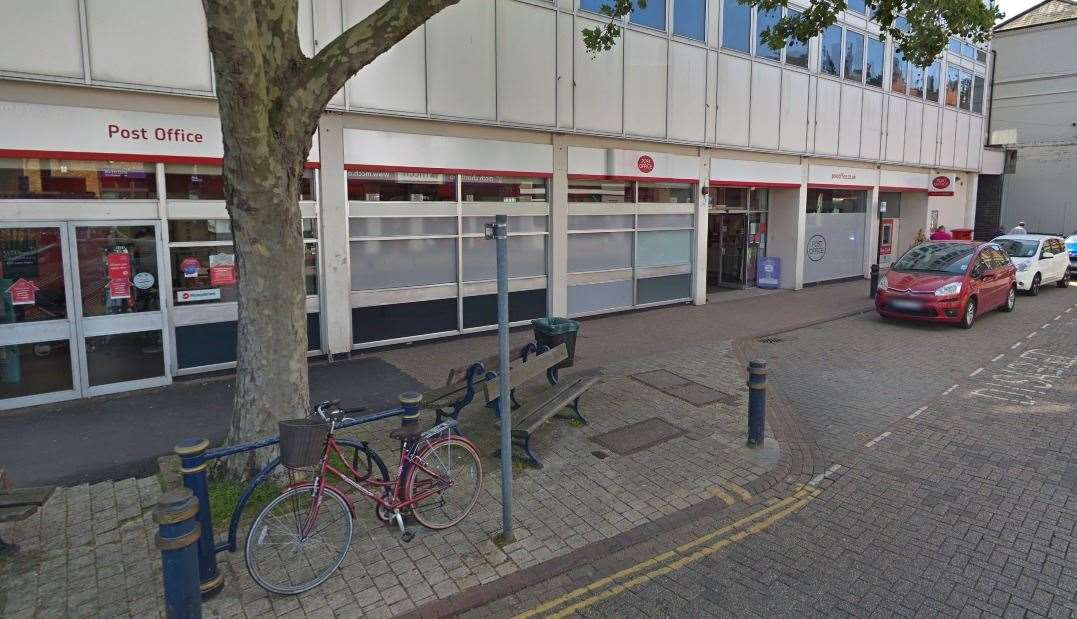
672	560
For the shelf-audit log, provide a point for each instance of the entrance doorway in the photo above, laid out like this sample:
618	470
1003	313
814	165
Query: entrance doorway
81	312
736	237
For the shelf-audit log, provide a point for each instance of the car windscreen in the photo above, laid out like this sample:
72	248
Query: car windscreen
1018	249
937	258
1071	242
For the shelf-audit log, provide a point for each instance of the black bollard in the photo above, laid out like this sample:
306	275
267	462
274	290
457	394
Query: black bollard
177	538
757	402
874	280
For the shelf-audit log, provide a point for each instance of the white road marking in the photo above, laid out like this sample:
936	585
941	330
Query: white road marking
998	356
1014	347
1057	317
1069	309
1031	335
1045	325
875	440
917	412
950	390
815	481
975	372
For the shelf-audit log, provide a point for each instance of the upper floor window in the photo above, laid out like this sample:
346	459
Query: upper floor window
854	56
978	94
830	51
736	26
968	51
916	82
899	73
955	45
874	67
764	20
595	6
652	16
858	6
931	81
981	55
65	179
690	19
952	78
964	98
796	53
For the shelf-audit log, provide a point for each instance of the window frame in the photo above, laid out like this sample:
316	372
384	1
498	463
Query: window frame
723	34
882	67
841	51
757	43
706	20
845	55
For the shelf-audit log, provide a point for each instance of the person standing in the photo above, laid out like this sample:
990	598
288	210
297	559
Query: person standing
920	238
1019	228
940	234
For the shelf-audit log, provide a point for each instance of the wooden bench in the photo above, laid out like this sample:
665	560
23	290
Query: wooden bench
548	404
19	504
530	363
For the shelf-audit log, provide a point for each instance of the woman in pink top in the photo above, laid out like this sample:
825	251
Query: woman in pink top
940	234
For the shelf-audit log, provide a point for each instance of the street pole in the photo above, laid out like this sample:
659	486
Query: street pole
499	232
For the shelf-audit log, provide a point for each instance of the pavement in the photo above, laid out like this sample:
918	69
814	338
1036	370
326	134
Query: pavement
113	437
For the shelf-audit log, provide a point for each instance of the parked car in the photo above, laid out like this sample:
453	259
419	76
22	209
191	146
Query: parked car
1040	260
1071	248
948	281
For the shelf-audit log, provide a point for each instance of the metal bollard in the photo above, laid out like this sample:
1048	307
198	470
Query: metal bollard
193	468
177	537
410	400
874	280
757	402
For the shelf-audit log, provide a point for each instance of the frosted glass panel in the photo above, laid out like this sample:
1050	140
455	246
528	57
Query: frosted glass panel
401	226
599	252
527	257
664	248
655	289
396	264
600	222
596	297
516	224
665	221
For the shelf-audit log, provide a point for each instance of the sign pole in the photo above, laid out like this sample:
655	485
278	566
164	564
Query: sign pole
499	232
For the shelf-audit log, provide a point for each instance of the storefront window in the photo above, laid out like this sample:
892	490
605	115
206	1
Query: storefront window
33	259
666	192
206	182
833	201
600	191
731	198
401	186
63	179
190	230
502	189
117	269
759	199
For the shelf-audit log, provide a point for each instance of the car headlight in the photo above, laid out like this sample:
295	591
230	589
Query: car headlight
948	289
883	284
1022	267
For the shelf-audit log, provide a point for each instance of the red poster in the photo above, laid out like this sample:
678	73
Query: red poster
23	292
886	237
222	275
119	289
119	266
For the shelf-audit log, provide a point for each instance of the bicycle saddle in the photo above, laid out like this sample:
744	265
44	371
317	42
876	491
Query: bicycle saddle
406	432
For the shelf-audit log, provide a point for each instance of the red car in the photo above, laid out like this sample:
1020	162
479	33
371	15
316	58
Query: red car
948	281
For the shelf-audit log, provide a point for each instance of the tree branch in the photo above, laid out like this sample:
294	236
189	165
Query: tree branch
325	74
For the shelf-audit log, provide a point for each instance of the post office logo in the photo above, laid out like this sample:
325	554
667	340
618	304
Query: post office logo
645	164
816	248
940	182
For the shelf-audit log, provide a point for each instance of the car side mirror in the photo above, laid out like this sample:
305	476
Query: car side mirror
978	271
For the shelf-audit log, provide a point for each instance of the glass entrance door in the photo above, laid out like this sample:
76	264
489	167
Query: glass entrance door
731	246
756	242
38	363
118	306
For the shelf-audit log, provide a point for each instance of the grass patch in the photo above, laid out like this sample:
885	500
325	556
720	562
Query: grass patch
224	495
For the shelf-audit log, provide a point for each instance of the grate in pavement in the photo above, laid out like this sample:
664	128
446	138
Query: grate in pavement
638	436
771	340
683	388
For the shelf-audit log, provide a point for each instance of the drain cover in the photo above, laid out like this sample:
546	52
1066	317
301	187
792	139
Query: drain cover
771	340
638	436
685	389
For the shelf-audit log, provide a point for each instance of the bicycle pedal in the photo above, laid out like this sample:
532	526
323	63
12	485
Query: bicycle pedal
407	536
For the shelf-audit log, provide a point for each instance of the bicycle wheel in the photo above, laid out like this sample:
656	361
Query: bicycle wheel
455	477
280	558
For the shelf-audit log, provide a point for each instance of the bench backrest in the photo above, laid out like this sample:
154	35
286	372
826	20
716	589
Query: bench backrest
522	370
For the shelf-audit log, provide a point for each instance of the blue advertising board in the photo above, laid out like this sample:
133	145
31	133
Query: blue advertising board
768	272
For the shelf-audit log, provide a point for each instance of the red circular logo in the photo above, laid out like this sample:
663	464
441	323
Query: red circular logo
940	182
645	164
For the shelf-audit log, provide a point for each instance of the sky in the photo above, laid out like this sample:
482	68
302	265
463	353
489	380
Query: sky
1013	7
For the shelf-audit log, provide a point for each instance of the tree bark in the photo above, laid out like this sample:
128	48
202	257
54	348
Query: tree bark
271	97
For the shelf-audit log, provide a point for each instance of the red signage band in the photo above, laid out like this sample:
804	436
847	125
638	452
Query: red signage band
135	158
832	186
938	194
363	167
895	188
621	177
758	184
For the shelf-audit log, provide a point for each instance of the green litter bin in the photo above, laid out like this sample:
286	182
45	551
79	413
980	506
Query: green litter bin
553	332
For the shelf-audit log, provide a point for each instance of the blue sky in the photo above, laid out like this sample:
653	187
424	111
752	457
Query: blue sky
1013	7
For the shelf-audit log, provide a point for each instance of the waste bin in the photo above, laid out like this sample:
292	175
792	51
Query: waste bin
962	234
553	332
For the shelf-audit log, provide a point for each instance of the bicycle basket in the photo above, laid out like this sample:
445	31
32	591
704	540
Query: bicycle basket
302	442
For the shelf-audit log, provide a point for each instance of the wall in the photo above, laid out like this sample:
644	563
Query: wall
1041	192
782	232
913	219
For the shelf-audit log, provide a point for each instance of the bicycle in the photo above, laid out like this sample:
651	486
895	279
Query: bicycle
303	535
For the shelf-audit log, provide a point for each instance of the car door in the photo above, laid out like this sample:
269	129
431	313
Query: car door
997	279
1061	259
982	278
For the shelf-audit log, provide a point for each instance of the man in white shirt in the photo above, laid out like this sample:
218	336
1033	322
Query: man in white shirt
1019	228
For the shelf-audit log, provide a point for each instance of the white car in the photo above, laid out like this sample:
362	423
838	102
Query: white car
1040	259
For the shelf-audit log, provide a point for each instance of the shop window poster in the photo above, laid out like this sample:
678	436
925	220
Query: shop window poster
222	269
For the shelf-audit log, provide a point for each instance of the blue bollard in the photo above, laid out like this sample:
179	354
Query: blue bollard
757	402
193	468
410	401
177	538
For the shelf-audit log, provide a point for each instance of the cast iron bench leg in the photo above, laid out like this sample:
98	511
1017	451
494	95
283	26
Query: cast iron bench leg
531	457
576	407
6	547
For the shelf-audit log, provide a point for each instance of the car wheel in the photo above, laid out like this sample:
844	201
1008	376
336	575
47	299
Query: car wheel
1011	300
1034	288
970	314
1065	281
